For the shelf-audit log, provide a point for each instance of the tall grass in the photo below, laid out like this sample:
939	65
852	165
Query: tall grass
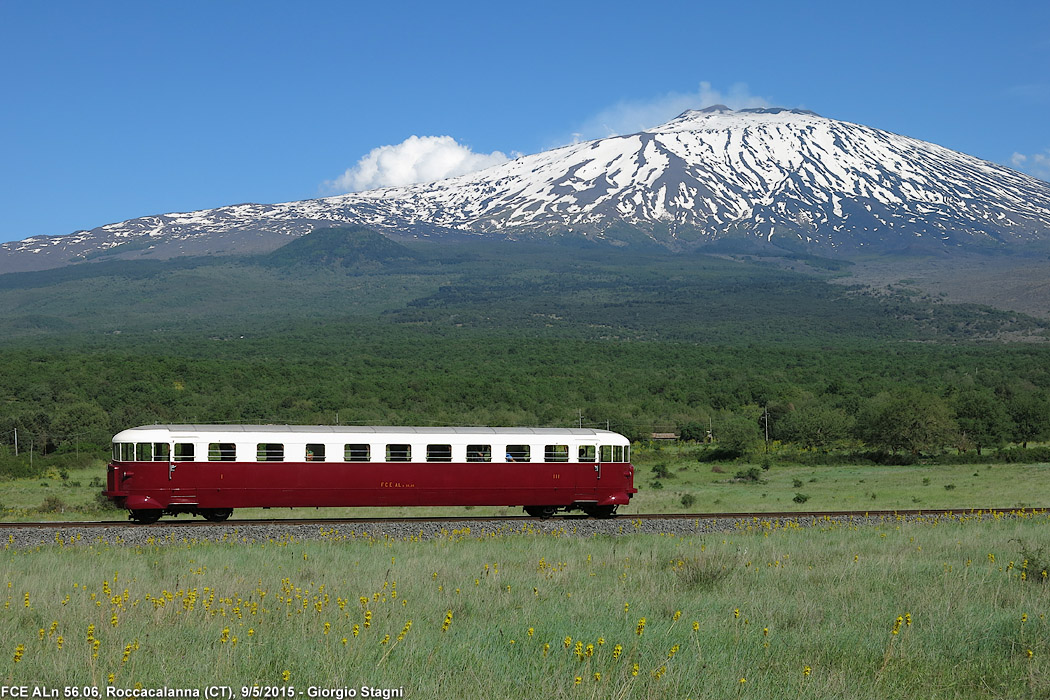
945	608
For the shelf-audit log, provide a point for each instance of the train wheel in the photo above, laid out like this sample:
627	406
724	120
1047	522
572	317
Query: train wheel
216	515
541	511
600	511
147	515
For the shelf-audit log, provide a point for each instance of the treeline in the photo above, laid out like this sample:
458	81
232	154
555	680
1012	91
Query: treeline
907	422
911	398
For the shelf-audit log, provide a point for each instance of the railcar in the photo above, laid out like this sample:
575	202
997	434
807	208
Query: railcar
209	470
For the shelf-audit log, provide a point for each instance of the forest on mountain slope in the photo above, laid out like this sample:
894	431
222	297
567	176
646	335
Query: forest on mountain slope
513	334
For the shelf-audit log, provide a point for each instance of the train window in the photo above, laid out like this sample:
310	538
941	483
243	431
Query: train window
439	453
315	453
357	453
269	452
222	452
399	453
183	451
144	452
627	454
618	453
127	452
556	453
588	453
160	451
479	453
518	453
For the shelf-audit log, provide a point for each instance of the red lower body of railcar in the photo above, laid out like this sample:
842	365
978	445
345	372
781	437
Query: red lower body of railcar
214	489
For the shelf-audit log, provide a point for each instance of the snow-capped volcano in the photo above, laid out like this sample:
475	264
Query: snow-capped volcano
783	176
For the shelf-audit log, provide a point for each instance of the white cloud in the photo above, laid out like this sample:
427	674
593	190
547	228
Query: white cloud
416	159
628	117
429	158
1037	164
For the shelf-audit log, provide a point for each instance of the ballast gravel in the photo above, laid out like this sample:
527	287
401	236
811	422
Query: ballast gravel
161	534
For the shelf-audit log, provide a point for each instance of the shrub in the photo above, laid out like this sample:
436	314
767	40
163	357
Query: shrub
1036	561
703	574
800	498
716	454
51	504
752	474
102	503
1019	455
660	471
688	500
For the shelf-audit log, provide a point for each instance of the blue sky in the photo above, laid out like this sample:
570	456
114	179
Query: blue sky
113	110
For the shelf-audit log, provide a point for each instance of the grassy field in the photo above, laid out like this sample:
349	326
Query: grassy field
670	479
742	487
947	608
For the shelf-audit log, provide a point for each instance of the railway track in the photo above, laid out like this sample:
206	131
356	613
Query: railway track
439	520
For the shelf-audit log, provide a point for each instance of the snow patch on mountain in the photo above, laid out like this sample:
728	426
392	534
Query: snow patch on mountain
769	173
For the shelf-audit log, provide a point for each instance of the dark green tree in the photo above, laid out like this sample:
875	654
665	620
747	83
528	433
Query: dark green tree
736	433
814	425
1030	415
912	421
982	418
694	431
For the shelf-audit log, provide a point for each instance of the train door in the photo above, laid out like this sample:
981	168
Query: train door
589	474
182	473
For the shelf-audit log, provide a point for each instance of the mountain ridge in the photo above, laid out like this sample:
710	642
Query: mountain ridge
785	177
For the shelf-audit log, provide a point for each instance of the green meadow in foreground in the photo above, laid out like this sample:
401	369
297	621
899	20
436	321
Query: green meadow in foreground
942	608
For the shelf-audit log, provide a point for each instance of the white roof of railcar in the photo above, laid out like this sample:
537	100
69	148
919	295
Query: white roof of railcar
301	431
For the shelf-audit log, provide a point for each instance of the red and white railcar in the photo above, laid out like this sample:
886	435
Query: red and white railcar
211	469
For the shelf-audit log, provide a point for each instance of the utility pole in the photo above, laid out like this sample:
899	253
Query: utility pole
16	442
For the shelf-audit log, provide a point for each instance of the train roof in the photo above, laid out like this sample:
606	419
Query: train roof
212	429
